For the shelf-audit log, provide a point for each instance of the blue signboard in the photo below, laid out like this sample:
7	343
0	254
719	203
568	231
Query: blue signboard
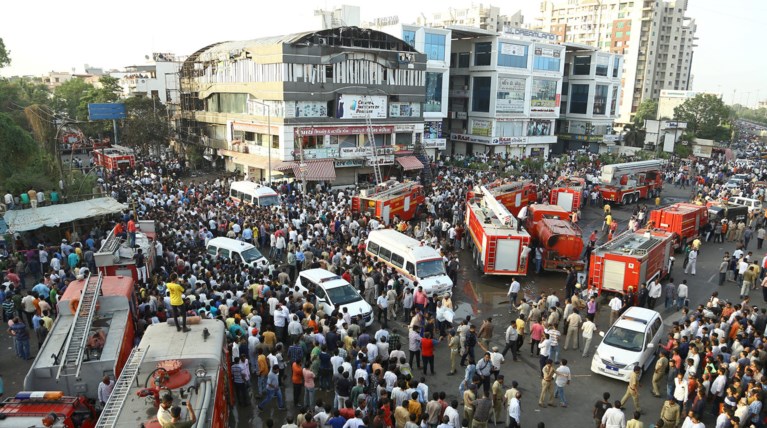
106	111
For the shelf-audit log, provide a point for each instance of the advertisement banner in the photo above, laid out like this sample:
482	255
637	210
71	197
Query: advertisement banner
435	143
537	127
551	53
295	109
340	130
361	107
432	129
405	110
481	127
510	49
544	96
510	97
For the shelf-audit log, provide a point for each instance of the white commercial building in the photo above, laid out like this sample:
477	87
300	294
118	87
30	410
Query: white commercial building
656	38
669	100
504	92
157	80
482	16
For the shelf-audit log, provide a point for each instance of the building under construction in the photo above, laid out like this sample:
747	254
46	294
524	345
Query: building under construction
342	105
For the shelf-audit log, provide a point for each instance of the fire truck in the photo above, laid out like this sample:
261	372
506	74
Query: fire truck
626	183
192	366
630	259
46	409
684	219
115	158
116	257
392	198
567	193
499	245
511	194
91	337
561	239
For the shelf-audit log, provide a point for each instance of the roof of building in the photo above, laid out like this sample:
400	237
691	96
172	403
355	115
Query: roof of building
463	32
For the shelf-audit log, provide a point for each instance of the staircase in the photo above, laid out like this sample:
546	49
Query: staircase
74	348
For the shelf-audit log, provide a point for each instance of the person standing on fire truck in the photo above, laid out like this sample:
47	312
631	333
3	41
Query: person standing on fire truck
177	302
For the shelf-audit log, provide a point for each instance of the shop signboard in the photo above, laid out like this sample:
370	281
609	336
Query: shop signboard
361	106
510	140
348	163
405	110
544	96
470	138
435	143
308	131
381	160
510	96
481	127
295	109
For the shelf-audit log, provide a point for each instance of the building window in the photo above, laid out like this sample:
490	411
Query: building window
603	63
433	93
613	101
600	99
546	59
511	55
579	99
434	47
483	53
616	66
480	94
618	34
409	37
582	65
464	59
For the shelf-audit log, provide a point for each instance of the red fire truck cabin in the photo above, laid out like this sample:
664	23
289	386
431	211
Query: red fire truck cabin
684	219
390	199
567	193
115	158
630	259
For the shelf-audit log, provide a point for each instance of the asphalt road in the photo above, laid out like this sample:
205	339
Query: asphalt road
483	297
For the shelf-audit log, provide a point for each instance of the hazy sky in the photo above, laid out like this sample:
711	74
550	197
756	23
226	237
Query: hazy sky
61	35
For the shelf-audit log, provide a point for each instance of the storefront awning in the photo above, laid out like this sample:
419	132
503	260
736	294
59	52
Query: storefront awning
409	163
313	170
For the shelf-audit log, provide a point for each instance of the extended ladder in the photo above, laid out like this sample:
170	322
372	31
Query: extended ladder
74	349
374	156
122	389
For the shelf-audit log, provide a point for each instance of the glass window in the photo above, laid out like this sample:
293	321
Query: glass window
616	66
480	94
433	92
343	295
385	254
582	65
434	46
618	34
510	129
579	98
482	53
464	59
603	62
430	268
600	99
409	37
397	260
546	63
613	101
373	248
512	55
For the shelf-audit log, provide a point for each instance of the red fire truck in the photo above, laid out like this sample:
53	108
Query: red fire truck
511	194
567	193
499	245
404	200
561	239
684	219
175	362
46	409
116	257
91	337
626	183
115	158
630	259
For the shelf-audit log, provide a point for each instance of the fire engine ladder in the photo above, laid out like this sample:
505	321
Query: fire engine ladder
122	388
374	156
78	334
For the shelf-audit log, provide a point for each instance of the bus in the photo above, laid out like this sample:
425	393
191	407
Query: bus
413	260
251	193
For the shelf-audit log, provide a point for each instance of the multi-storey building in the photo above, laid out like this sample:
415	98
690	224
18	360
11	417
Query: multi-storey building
322	105
157	80
655	37
669	100
504	91
590	94
485	17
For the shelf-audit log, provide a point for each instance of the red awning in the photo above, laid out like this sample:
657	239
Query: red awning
409	163
313	170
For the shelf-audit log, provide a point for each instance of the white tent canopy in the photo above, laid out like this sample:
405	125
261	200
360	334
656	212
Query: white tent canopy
55	215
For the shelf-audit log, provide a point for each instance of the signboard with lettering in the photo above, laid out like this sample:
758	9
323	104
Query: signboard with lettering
381	160
386	20
361	152
510	97
361	106
305	109
481	127
512	49
552	53
343	130
544	97
523	33
405	110
435	143
470	138
510	140
322	153
348	163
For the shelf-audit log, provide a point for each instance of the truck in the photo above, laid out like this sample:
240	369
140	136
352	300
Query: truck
514	195
499	245
567	193
115	158
192	366
630	259
626	183
46	409
562	240
116	257
392	198
683	219
91	337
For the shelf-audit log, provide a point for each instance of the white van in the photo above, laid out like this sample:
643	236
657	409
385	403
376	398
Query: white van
333	292
632	341
252	193
413	260
236	250
754	205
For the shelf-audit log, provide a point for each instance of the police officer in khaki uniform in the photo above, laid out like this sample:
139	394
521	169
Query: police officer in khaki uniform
547	385
632	390
454	343
670	413
660	372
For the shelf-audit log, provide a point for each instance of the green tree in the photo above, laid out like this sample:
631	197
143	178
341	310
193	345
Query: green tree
68	96
5	55
17	146
146	128
707	117
647	110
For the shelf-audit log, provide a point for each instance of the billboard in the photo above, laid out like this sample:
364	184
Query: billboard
538	127
361	107
544	97
106	111
510	96
405	110
481	127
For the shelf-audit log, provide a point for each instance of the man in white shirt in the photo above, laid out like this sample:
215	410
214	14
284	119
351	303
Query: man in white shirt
681	294
654	292
515	411
588	328
562	378
451	414
513	293
616	304
614	417
105	390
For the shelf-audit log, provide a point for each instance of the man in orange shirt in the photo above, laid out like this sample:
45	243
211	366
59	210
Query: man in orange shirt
132	231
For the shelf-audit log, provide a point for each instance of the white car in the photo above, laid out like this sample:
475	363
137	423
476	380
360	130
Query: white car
333	292
633	340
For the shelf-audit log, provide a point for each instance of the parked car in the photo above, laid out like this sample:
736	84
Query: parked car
334	293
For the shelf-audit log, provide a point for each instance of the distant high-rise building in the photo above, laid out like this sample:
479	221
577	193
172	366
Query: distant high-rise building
342	16
485	17
655	37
